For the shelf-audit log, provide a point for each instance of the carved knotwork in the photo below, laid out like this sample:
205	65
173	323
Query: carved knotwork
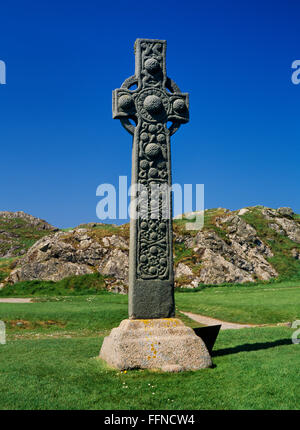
154	102
170	85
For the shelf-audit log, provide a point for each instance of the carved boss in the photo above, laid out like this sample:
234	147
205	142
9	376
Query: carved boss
146	104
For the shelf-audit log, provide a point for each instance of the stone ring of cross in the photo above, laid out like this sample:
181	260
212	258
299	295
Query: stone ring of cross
156	98
151	107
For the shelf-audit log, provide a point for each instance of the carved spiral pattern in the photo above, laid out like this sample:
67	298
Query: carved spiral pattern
153	230
154	248
151	106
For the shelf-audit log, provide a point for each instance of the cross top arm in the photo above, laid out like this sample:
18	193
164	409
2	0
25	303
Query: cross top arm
156	98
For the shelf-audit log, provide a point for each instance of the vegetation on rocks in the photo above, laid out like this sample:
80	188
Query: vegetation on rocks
19	231
265	221
254	244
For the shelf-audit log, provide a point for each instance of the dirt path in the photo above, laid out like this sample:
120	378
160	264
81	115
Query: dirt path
212	321
199	318
12	300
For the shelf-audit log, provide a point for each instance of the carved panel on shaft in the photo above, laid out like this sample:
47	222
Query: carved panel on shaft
145	112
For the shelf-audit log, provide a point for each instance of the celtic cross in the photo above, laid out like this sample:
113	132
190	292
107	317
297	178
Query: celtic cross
151	106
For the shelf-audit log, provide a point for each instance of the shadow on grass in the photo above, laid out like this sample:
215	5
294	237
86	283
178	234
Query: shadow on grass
251	347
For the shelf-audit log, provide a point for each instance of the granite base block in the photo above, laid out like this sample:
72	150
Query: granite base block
165	344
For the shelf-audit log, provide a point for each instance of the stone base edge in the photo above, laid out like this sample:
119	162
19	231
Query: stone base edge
165	344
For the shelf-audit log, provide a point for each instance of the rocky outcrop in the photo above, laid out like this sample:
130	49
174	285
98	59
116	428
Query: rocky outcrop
285	211
30	220
281	220
74	253
19	230
241	258
228	249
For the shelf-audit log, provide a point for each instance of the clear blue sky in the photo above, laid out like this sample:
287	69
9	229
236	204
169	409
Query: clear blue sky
64	58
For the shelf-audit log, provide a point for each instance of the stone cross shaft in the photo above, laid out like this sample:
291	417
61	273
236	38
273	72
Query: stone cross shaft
155	102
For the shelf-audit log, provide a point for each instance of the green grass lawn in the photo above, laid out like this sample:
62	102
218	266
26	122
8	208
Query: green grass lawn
49	360
254	369
271	303
64	314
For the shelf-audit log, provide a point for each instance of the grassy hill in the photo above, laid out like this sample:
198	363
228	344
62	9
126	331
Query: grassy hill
280	243
19	231
235	239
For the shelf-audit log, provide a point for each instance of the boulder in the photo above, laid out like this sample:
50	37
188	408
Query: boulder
286	211
243	211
